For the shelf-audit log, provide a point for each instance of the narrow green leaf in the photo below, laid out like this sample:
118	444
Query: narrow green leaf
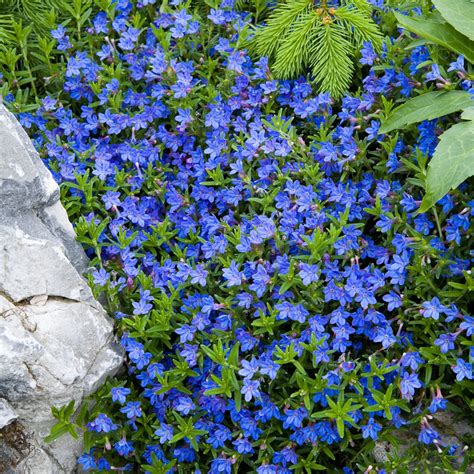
452	163
237	400
459	13
234	355
58	430
340	427
426	107
440	33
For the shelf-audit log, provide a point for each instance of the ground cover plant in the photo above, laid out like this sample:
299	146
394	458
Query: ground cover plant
282	303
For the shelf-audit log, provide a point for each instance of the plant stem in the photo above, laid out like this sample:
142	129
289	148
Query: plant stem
435	212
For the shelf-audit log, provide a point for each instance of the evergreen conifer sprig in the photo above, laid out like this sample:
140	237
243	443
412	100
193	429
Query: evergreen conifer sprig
304	35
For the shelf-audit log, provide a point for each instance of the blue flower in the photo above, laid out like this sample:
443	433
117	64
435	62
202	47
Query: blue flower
184	405
221	466
393	299
438	403
445	342
308	273
249	369
164	432
102	424
260	280
123	447
384	223
243	446
250	389
132	410
408	384
186	332
294	418
87	460
100	277
463	370
434	74
468	325
432	309
198	275
368	55
428	435
233	275
371	429
457	65
119	394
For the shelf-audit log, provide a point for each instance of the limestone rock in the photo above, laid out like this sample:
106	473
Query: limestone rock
7	413
56	342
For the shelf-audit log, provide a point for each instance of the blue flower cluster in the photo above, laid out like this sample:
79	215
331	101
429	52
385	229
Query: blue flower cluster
281	303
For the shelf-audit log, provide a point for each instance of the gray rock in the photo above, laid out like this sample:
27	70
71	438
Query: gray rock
29	196
56	342
7	413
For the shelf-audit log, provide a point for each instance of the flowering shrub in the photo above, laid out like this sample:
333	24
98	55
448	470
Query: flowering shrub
281	303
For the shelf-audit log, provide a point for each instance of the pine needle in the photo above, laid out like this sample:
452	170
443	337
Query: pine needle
294	50
331	59
300	36
362	5
268	37
361	25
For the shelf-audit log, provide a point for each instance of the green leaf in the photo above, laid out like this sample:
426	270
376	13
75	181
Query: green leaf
439	33
340	427
468	114
234	355
459	13
452	163
58	430
426	107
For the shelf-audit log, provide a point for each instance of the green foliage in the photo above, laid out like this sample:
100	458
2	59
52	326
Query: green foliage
427	106
433	28
452	163
39	15
369	377
300	36
259	8
459	13
27	53
65	424
453	160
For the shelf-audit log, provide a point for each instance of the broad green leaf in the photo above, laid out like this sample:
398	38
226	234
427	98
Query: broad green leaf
426	107
439	33
468	114
452	163
459	13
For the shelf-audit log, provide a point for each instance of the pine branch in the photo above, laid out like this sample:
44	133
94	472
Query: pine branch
302	33
362	5
293	53
7	35
361	25
331	59
268	37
